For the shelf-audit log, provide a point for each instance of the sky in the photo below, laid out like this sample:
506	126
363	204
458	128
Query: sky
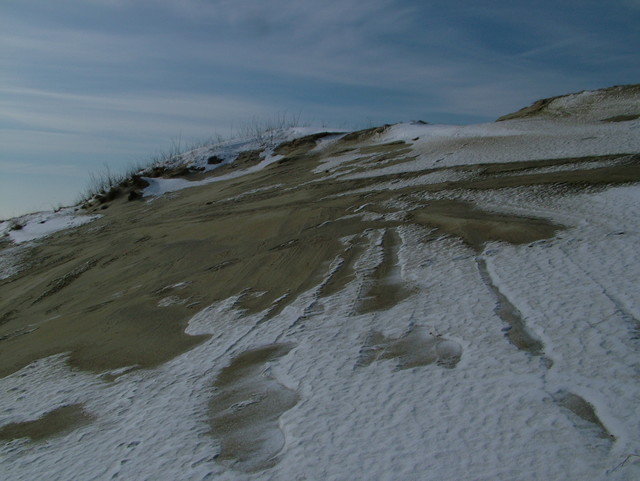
90	83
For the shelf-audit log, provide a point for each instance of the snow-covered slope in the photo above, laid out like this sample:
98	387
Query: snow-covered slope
412	302
614	104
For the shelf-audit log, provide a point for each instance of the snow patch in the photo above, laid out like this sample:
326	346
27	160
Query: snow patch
42	224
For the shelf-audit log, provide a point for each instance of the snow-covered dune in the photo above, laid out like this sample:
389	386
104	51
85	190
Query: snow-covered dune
411	302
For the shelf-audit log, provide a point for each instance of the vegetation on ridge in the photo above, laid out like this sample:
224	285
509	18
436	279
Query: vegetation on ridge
106	184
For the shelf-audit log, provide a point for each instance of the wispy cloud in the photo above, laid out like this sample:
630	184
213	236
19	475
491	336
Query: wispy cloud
37	168
406	46
131	115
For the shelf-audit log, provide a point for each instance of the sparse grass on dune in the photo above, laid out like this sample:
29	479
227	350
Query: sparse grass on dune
106	182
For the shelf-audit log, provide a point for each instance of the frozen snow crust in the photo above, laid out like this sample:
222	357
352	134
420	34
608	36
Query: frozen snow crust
414	302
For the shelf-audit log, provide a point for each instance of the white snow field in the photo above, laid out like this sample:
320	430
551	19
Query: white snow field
504	362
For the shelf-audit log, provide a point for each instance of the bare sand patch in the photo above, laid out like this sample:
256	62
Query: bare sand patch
345	271
302	145
516	331
54	423
415	348
385	287
584	410
622	118
245	410
476	226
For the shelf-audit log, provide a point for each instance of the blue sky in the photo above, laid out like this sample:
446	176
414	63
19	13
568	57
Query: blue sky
89	82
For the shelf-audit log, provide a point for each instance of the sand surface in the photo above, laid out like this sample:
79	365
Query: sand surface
360	232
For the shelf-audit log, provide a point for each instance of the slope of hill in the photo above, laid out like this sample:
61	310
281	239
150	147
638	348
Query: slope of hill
614	104
408	302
